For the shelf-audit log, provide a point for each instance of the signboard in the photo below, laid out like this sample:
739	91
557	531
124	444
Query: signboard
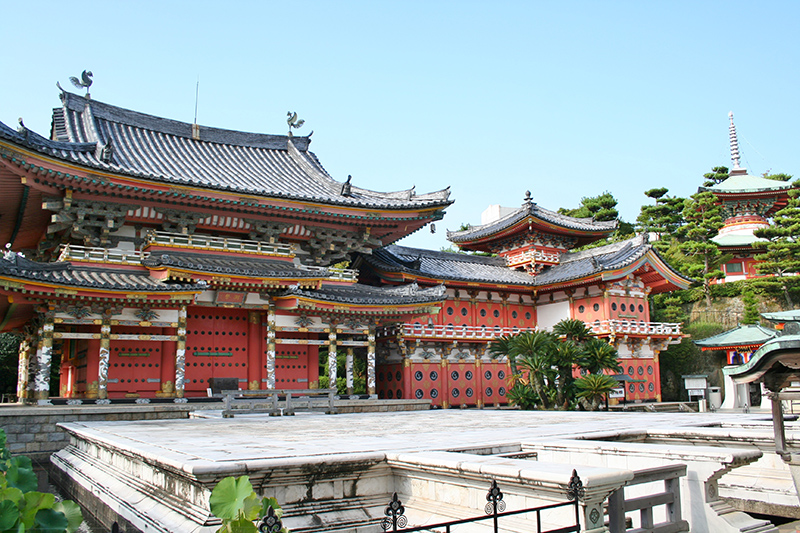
697	392
695	383
617	393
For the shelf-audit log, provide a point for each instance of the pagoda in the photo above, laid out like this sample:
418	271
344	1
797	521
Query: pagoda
148	256
748	202
529	277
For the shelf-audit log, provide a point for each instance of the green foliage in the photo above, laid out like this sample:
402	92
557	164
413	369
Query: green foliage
235	502
782	248
662	219
359	373
592	388
522	395
598	356
703	215
543	363
751	314
717	175
599	208
778	177
22	508
9	359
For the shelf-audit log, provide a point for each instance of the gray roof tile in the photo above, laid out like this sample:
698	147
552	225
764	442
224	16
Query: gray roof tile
87	277
231	265
533	210
274	166
471	268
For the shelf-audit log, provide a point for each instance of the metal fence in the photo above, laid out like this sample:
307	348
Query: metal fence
396	521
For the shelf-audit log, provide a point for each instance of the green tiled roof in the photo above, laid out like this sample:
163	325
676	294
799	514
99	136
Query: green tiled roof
747	183
741	336
735	240
783	316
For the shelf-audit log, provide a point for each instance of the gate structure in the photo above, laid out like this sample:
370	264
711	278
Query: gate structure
396	521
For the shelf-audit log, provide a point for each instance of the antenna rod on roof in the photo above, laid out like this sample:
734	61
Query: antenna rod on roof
196	98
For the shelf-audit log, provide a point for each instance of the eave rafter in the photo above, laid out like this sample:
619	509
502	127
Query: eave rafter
40	172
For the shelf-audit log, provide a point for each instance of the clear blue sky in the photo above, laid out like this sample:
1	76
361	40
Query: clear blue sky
565	98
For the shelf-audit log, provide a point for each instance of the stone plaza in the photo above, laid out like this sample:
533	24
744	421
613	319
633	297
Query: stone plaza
338	472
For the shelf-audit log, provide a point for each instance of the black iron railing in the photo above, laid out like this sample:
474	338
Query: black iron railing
396	521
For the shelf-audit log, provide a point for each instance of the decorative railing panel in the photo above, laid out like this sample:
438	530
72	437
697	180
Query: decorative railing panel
632	327
532	256
223	244
70	252
461	332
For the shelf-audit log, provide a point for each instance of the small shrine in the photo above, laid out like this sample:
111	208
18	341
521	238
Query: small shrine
748	203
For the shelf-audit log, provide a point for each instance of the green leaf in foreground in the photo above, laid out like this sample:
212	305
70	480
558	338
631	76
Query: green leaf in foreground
227	498
72	511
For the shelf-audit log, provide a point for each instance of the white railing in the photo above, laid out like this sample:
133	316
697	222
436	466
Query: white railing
632	327
222	244
461	332
337	274
538	256
70	252
464	332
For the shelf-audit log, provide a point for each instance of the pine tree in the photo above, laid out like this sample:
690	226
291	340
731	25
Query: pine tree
663	218
703	215
717	175
601	208
782	248
751	314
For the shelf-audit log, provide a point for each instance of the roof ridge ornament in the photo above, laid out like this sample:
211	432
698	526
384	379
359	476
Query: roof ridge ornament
527	200
734	143
346	186
84	83
294	122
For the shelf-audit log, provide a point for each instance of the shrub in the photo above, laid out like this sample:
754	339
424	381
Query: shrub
22	508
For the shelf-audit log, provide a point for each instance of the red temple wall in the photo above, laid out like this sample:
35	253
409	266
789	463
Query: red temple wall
446	383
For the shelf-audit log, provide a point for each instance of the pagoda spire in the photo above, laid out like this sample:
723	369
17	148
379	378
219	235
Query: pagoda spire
734	143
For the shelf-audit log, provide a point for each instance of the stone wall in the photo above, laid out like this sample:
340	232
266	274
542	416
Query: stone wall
34	431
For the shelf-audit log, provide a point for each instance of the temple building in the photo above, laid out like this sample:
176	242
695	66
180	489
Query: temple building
748	202
159	254
147	256
531	279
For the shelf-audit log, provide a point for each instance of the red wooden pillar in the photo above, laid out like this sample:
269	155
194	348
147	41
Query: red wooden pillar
408	385
657	374
254	350
167	374
92	368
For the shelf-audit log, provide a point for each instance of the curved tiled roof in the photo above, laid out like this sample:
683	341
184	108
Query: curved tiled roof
479	269
86	277
747	335
745	183
160	149
369	295
532	210
230	265
446	265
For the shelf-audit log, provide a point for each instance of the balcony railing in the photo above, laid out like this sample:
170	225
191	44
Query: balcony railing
464	332
632	327
530	256
70	252
336	274
222	244
461	332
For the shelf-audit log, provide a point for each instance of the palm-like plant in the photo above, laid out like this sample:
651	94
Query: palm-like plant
573	329
592	388
598	356
534	351
566	355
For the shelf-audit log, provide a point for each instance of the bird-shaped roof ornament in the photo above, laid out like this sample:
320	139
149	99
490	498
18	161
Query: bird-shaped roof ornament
294	122
84	83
